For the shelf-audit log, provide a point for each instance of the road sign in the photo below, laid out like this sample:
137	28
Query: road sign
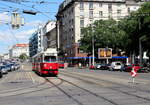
104	53
133	72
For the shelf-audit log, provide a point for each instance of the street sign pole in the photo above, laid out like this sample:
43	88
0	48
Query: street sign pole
133	80
133	75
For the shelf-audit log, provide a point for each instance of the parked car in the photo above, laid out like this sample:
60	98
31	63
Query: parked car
92	67
136	67
102	66
98	66
9	67
4	69
12	66
127	68
143	70
116	66
1	74
16	66
61	65
105	67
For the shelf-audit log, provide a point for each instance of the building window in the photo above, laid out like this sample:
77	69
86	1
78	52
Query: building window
118	5
109	7
118	13
81	22
90	14
81	13
81	5
100	4
91	21
110	15
100	14
91	5
129	10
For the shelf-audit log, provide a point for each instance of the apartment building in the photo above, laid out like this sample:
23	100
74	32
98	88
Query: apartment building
50	38
43	38
75	14
6	56
19	49
35	43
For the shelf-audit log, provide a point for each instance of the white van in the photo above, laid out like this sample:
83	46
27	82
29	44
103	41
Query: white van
116	65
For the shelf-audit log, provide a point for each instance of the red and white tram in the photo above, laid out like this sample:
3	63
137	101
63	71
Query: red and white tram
45	64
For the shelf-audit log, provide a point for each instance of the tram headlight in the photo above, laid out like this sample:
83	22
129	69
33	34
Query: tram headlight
50	67
45	65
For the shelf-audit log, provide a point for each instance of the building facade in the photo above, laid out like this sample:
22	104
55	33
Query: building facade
35	43
76	14
43	38
19	49
50	38
5	56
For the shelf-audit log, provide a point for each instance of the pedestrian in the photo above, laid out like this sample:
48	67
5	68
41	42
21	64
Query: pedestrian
122	68
80	65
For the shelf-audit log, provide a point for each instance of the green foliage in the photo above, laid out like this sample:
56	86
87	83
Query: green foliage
106	33
23	56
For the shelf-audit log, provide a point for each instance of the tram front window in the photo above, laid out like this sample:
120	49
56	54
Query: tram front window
50	59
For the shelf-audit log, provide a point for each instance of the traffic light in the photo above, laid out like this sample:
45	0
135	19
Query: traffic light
16	20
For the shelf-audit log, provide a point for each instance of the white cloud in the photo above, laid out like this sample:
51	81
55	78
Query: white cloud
34	23
4	17
25	34
12	37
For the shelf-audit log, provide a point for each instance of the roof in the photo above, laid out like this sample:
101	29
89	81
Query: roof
21	45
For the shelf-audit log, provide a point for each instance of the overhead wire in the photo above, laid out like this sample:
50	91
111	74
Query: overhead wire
8	6
13	34
26	1
41	2
36	10
43	13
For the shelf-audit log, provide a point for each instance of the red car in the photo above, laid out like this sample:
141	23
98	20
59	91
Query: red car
61	65
92	67
128	68
136	67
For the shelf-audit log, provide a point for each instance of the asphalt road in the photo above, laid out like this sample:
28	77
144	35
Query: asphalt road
74	86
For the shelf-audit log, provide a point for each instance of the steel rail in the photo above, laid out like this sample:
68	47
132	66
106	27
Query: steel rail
127	93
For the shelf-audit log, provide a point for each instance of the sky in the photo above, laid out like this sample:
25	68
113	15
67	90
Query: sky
8	36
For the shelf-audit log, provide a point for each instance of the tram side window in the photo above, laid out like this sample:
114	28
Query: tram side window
50	59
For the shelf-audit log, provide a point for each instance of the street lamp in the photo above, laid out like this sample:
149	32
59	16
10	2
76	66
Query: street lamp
140	45
140	51
93	47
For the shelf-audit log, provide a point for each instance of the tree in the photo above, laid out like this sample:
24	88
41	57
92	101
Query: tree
23	56
106	33
144	21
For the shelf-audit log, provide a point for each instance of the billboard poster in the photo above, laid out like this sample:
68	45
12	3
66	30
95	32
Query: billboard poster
104	53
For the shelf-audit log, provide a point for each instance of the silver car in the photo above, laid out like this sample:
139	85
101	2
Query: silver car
3	69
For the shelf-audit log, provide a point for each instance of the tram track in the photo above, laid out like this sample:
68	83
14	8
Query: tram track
24	88
86	79
28	90
84	89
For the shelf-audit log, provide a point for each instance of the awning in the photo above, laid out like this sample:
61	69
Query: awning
80	57
120	57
